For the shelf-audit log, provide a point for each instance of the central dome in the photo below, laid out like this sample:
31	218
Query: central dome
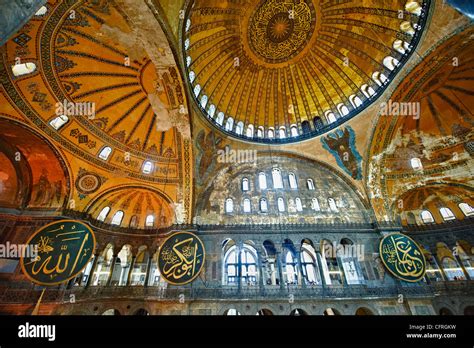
279	71
279	30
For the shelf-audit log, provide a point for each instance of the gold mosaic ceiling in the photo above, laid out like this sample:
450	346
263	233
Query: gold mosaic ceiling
294	63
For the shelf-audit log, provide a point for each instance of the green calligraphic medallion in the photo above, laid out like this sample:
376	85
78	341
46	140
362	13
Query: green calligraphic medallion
181	258
64	249
403	257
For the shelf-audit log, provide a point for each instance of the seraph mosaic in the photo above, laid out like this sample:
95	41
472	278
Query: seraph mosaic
342	145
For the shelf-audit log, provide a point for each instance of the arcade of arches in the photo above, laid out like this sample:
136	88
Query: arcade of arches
276	131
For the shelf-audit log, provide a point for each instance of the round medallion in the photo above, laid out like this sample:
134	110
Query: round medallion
58	252
402	257
181	258
88	183
279	30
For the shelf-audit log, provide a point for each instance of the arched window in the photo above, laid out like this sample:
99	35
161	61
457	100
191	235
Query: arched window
239	129
281	205
188	24
271	133
262	181
379	78
42	11
299	205
150	221
229	124
204	100
367	90
292	180
416	164
332	205
229	205
197	90
105	153
315	204
406	27
309	264
291	268
413	7
220	118
401	46
277	179
245	184
59	121
249	132
390	62
211	111
343	110
134	221
247	206
260	132
117	219
305	127
186	44
466	209
294	131
310	184
103	214
23	69
330	117
263	205
192	76
427	217
247	262
282	133
447	214
188	61
147	167
355	101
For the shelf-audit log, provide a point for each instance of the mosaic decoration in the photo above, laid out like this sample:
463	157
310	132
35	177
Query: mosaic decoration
88	182
342	145
181	258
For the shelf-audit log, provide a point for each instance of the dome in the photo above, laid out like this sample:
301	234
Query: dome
282	71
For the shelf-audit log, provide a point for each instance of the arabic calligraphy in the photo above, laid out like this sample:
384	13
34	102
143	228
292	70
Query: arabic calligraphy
64	249
403	257
181	258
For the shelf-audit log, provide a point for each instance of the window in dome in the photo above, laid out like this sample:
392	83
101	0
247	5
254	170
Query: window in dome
245	184
330	117
211	111
229	205
186	44
105	153
229	124
390	63
379	78
318	123
299	205
401	46
343	110
367	90
103	214
294	131
150	221
427	217
59	121
466	209
277	179
247	206
220	118
355	101
447	214
416	164
197	90
239	129
117	219
262	181
310	184
188	24
42	11
204	101
260	132
249	132
292	180
406	27
413	7
134	221
271	133
282	133
188	62
281	205
192	76
147	167
263	205
23	69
